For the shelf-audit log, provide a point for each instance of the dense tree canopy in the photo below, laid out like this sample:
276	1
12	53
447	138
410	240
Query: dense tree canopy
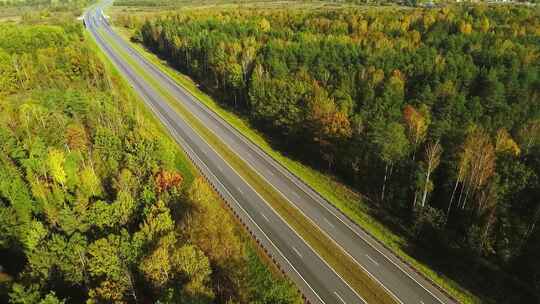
56	4
431	113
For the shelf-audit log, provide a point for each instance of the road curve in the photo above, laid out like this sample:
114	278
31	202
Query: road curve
318	282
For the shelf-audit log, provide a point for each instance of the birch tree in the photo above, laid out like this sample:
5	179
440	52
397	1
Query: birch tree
392	145
432	159
476	167
530	135
417	125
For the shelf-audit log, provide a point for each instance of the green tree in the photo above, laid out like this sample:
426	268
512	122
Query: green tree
55	163
392	146
194	265
24	295
156	267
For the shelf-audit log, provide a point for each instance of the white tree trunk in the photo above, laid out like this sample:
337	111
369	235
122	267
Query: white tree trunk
384	182
452	199
424	196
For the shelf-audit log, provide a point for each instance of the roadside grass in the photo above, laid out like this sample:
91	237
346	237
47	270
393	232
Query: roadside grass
343	198
343	264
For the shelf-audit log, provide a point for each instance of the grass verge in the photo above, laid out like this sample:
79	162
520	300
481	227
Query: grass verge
343	198
359	280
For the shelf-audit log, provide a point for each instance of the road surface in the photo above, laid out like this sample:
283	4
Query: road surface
314	277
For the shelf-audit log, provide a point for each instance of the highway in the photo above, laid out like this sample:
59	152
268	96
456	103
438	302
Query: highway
314	277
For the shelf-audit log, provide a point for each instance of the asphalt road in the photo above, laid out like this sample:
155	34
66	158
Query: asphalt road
316	279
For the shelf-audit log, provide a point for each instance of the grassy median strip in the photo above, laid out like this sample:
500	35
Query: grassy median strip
351	272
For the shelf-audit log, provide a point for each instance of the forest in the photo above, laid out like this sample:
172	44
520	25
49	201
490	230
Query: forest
46	4
433	115
97	203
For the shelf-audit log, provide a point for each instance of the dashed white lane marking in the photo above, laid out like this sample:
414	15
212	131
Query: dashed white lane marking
421	302
296	250
328	222
240	190
371	259
339	297
266	218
